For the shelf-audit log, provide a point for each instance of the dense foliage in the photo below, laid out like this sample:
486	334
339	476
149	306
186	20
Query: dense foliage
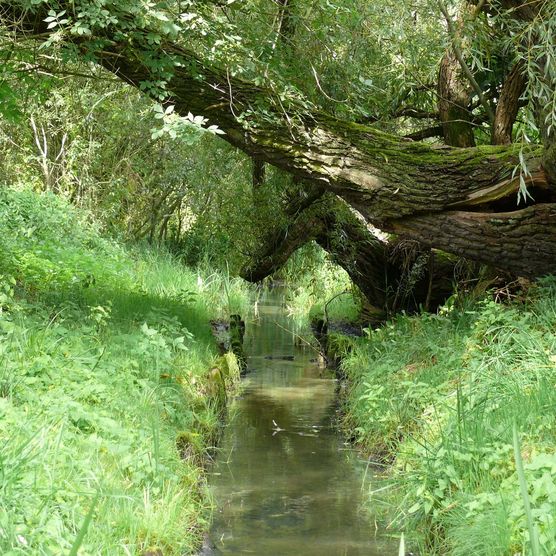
432	120
107	409
439	397
288	82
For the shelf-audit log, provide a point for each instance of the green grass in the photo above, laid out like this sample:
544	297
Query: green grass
105	353
436	398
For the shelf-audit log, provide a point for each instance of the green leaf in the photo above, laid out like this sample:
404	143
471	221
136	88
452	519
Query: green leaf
414	508
533	533
84	526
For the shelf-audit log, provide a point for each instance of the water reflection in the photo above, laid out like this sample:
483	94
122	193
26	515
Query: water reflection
284	482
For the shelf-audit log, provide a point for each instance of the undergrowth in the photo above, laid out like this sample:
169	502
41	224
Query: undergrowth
106	406
437	398
318	288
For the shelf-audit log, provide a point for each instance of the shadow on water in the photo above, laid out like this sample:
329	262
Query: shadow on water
284	482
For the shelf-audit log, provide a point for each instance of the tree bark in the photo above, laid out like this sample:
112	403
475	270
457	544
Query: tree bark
508	105
524	239
454	88
386	178
392	276
286	26
258	172
453	101
280	246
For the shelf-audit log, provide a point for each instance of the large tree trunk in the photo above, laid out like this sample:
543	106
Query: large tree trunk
508	105
453	101
396	184
524	239
392	276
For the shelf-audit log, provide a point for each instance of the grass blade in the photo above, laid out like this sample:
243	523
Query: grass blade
401	551
84	526
533	535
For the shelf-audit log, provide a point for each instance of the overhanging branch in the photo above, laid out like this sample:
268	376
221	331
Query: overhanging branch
386	178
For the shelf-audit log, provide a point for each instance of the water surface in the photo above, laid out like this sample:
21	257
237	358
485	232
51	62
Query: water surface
285	482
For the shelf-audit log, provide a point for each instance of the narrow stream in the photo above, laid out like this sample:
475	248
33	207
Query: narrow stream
285	483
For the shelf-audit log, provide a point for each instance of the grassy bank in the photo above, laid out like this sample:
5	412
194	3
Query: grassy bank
438	398
107	407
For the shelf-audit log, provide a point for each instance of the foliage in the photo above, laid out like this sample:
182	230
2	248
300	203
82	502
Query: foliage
104	348
164	181
164	190
318	288
438	395
367	62
104	360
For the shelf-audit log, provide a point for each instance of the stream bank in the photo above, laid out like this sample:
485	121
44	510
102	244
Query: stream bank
437	397
109	398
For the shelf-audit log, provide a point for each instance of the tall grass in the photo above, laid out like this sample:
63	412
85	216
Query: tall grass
436	398
104	359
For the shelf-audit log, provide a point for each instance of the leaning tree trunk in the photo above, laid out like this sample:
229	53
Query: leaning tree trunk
383	177
450	198
392	276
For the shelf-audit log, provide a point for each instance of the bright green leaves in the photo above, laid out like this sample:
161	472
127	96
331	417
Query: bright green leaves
98	24
160	112
92	16
80	29
155	89
85	18
91	400
7	284
187	129
448	389
54	19
166	26
153	38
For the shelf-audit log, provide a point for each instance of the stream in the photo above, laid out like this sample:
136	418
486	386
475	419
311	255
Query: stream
285	482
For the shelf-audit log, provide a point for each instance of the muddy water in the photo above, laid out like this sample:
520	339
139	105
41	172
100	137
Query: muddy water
285	483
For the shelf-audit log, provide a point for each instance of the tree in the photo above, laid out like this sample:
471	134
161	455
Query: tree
460	200
391	275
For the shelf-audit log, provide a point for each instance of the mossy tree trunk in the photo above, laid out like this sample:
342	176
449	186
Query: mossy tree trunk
461	200
385	178
392	276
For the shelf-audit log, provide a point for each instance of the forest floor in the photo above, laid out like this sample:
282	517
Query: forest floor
459	407
107	409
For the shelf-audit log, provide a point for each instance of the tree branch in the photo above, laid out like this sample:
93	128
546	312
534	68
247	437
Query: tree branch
434	131
464	67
